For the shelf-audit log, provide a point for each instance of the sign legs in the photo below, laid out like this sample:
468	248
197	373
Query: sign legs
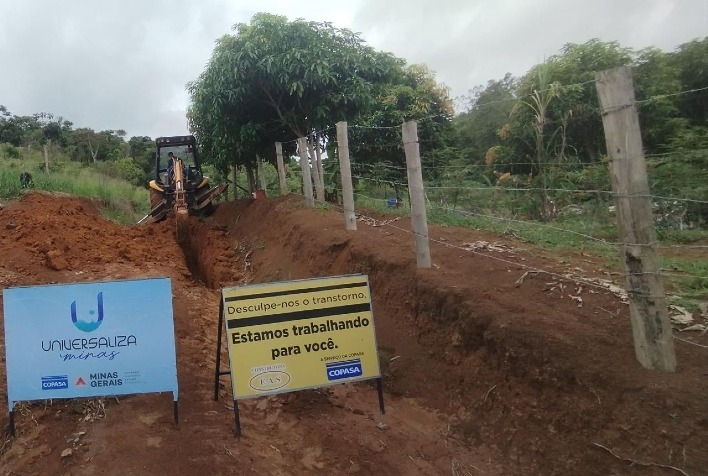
12	423
217	370
237	420
379	387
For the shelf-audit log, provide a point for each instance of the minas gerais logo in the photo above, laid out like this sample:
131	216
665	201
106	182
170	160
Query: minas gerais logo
92	321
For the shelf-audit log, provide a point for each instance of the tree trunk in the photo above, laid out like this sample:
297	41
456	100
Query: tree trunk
318	153
281	169
261	173
319	187
251	179
94	153
306	176
234	179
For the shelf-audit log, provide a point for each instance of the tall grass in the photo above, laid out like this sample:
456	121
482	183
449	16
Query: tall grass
122	201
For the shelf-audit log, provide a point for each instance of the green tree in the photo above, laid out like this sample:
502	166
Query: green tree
576	111
141	149
20	130
375	137
488	110
91	146
129	171
655	77
279	80
691	62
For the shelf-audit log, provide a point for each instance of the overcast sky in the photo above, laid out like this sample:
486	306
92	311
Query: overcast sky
124	64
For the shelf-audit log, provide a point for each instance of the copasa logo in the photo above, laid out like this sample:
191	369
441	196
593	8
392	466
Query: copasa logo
55	382
94	321
344	369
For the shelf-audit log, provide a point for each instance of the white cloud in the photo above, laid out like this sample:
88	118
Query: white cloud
471	41
110	65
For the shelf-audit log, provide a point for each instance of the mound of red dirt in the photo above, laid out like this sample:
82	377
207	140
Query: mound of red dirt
486	369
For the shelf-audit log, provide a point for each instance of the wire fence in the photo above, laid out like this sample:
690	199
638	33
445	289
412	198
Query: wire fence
562	202
599	284
565	276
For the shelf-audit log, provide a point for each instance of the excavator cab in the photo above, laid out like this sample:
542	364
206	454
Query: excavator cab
179	185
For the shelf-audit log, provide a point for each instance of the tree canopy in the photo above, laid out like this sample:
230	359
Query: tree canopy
108	149
572	117
276	80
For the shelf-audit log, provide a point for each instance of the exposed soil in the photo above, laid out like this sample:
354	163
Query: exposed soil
483	374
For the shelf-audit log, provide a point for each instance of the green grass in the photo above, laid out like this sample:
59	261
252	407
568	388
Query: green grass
686	278
123	203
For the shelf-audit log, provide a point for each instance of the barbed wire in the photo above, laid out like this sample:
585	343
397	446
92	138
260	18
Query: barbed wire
687	247
520	98
355	126
573	232
664	96
665	272
379	165
512	163
586	164
543	225
502	164
692	343
569	190
619	107
568	165
317	131
370	198
434	116
525	189
371	179
531	223
674	199
353	150
672	153
567	277
327	129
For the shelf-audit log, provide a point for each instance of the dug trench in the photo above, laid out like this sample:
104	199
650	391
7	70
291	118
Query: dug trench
484	372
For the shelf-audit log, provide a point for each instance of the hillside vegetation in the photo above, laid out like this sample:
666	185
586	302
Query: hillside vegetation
525	155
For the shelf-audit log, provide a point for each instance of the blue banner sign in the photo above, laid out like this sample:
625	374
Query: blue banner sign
89	340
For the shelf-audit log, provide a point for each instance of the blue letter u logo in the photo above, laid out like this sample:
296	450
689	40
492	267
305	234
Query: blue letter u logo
92	323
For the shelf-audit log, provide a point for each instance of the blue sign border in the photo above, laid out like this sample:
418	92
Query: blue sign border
89	340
